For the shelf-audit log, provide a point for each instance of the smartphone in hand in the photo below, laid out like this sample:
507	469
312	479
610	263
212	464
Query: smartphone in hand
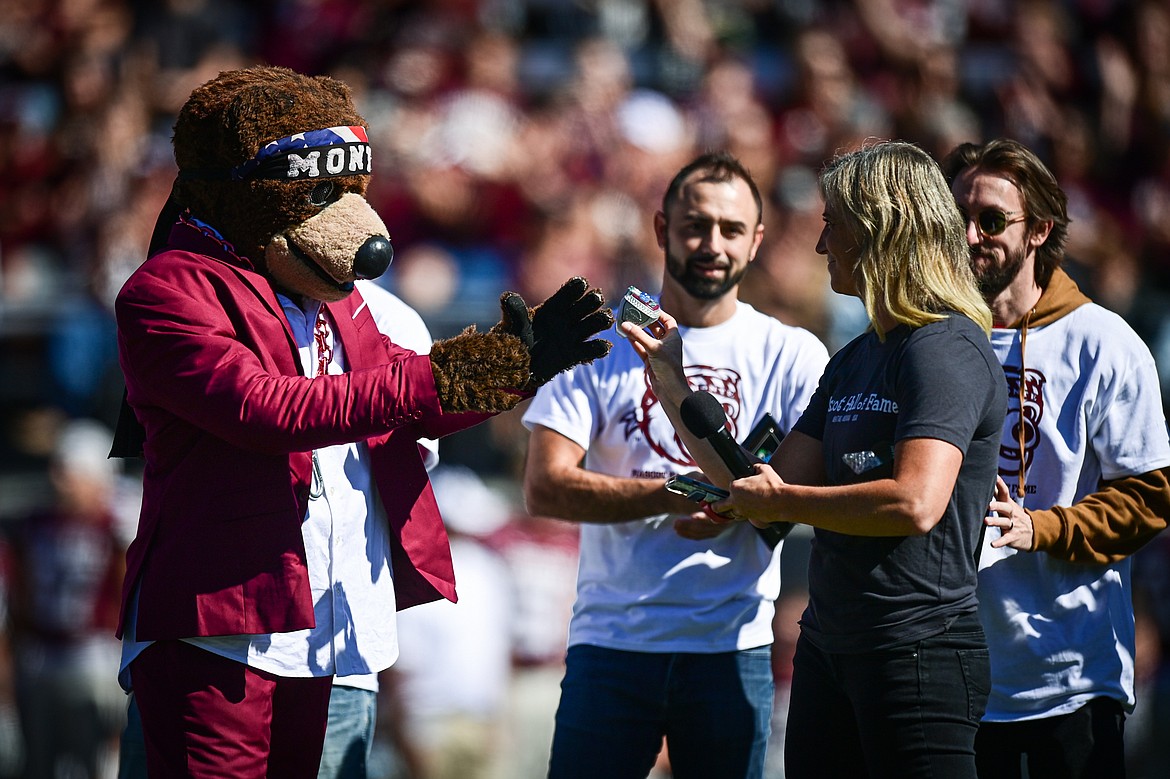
693	489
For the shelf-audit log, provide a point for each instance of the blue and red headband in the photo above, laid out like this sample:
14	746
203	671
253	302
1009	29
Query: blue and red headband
334	151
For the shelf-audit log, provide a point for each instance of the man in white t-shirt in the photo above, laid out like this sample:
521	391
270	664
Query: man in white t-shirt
671	633
1083	484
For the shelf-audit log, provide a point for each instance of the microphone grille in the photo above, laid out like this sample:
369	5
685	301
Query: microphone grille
702	413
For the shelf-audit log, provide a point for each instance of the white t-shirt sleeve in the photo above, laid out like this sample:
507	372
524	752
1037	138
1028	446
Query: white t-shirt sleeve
566	405
1127	426
805	374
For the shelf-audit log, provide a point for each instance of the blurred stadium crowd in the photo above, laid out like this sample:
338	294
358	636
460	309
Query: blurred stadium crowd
518	142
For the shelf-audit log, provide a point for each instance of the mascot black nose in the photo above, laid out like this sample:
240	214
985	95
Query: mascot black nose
373	258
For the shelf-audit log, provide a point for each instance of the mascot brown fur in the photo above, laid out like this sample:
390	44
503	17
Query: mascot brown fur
314	235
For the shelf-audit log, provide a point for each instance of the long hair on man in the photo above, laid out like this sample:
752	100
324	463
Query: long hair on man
1044	200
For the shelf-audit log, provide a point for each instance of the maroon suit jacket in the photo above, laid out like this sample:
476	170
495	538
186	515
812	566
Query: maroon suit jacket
212	373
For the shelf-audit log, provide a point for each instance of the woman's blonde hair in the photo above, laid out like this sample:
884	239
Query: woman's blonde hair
914	262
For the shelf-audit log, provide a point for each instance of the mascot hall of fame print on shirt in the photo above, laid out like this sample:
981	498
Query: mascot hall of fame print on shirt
938	381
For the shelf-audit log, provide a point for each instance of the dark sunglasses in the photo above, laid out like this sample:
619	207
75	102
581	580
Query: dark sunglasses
992	221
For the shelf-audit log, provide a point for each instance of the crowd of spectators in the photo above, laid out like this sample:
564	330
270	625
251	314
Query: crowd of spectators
517	142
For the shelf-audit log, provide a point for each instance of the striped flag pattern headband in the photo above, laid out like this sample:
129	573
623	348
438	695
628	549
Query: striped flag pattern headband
333	151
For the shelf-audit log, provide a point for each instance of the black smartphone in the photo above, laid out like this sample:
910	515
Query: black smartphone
693	489
764	438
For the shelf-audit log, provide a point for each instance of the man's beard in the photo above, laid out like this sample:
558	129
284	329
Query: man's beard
700	287
994	279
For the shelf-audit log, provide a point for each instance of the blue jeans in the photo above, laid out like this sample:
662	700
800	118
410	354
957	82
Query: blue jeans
349	734
906	712
714	710
132	751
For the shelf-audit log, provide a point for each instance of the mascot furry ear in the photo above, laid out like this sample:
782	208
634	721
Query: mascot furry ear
276	164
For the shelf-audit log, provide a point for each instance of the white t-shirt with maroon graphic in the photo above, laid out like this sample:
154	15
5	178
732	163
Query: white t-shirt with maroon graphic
1062	633
641	586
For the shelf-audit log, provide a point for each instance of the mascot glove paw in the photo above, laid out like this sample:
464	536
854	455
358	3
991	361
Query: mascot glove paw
559	332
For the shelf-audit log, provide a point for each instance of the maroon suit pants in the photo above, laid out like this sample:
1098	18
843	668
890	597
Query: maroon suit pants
206	716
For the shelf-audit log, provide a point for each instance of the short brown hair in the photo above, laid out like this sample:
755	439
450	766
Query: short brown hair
718	166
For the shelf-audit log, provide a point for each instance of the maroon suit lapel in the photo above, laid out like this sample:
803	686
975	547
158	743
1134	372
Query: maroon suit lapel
351	317
420	551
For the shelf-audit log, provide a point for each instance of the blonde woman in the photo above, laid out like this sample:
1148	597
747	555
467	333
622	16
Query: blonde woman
893	464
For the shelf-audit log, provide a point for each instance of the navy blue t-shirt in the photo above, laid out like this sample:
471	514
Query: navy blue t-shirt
939	381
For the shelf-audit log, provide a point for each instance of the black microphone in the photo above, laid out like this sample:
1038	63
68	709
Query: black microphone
703	415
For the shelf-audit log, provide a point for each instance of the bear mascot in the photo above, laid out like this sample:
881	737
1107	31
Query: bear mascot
286	511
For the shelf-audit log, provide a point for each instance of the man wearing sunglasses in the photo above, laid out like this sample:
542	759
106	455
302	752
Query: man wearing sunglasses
1083	481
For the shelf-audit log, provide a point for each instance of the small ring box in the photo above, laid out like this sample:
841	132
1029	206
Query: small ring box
639	308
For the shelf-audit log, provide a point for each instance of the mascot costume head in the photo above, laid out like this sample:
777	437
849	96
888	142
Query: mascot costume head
279	163
276	165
